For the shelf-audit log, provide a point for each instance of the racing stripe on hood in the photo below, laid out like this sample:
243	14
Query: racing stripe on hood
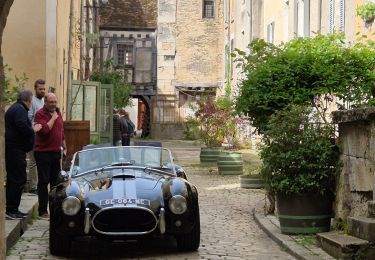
125	189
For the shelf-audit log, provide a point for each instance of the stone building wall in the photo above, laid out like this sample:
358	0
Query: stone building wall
199	44
190	48
190	60
356	181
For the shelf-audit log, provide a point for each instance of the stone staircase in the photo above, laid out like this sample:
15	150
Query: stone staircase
359	243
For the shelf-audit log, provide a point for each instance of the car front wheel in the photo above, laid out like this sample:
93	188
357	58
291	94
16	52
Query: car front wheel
58	244
191	240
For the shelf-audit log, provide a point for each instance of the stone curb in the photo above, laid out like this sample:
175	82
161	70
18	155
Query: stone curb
14	229
287	242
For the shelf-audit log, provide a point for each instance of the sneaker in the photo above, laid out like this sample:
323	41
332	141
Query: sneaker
14	215
33	192
22	214
44	216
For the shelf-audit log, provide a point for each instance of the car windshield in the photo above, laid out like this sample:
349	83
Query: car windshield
138	156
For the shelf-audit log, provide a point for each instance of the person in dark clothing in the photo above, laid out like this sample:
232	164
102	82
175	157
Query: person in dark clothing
128	128
47	149
116	128
19	139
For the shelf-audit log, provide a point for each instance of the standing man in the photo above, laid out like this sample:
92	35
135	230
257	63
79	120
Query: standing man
129	128
38	102
47	149
19	139
116	128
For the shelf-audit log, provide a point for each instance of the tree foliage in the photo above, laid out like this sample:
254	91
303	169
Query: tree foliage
305	71
121	87
217	121
11	88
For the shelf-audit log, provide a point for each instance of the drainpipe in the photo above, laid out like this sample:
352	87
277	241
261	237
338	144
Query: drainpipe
229	76
81	55
320	16
69	78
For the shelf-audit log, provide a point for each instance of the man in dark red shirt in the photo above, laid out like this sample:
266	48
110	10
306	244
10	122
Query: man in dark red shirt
47	149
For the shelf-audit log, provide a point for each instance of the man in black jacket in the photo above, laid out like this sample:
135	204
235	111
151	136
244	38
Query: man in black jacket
19	139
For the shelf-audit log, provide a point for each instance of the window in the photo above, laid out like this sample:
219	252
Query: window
208	8
271	32
306	18
168	57
342	15
302	18
125	54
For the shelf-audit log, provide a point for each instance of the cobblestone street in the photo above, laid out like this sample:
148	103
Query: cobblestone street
228	230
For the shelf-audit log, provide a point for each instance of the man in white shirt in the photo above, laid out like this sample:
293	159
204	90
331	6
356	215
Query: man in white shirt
37	103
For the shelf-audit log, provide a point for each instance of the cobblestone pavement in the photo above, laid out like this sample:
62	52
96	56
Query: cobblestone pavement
228	230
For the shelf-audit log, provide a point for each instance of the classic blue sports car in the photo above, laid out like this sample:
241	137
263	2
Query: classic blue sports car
123	192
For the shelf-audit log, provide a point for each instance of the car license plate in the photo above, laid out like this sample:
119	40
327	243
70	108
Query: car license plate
125	201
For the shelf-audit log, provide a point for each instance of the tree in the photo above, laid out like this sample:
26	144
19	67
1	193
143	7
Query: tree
4	11
121	88
305	71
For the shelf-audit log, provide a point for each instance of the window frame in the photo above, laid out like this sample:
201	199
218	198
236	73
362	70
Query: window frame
205	10
127	60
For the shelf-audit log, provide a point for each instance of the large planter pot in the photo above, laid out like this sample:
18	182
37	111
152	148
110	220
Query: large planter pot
251	181
307	213
209	154
230	164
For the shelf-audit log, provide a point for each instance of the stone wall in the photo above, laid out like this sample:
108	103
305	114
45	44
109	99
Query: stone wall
167	131
356	181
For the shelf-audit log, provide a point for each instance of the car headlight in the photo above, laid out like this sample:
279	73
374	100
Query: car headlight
71	205
177	204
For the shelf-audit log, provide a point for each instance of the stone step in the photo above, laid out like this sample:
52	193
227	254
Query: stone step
342	246
362	227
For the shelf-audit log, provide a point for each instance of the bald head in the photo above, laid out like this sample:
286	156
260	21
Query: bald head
50	102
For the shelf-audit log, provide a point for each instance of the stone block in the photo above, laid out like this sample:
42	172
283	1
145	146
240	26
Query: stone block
360	173
362	227
355	139
340	245
371	208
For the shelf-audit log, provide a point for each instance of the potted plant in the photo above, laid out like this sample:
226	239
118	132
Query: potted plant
300	161
229	161
251	180
210	119
321	71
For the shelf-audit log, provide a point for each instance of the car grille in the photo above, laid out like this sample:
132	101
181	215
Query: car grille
124	221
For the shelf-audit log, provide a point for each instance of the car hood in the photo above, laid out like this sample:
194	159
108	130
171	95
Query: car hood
122	190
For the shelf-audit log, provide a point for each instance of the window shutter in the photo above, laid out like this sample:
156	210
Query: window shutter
331	16
342	15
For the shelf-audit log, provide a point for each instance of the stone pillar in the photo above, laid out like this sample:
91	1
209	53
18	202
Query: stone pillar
355	187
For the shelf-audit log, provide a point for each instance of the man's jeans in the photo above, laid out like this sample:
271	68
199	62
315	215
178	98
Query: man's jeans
48	164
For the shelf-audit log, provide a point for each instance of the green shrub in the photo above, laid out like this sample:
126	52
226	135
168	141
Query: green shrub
366	12
191	131
299	154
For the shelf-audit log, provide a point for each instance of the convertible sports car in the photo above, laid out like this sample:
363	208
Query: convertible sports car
121	193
